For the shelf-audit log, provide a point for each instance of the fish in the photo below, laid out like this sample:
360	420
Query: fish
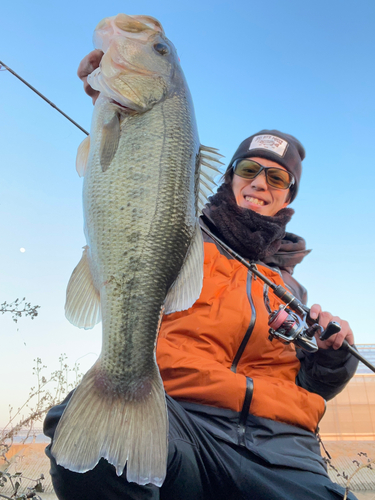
146	178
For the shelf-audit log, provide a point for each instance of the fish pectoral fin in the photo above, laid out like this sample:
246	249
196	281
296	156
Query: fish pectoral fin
188	285
83	156
210	168
82	306
109	142
118	426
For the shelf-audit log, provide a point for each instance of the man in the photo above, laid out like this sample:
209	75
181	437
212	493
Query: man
243	410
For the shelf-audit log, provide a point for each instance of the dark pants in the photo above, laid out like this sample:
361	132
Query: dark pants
200	467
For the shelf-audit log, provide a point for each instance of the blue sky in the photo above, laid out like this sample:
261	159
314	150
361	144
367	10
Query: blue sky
305	68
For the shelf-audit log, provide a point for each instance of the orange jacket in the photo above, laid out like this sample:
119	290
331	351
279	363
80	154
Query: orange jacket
218	350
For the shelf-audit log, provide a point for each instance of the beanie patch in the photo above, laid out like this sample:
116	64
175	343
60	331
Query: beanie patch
269	142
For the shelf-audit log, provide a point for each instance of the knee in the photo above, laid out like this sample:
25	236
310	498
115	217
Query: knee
70	485
53	417
183	459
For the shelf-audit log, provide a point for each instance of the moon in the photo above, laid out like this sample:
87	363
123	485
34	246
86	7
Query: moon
22	250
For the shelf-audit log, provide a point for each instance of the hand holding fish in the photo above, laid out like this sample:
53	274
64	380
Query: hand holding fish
88	64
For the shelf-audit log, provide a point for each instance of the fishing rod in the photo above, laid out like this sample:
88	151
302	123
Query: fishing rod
42	96
298	328
292	322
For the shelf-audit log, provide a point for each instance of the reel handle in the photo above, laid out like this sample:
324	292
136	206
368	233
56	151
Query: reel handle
331	329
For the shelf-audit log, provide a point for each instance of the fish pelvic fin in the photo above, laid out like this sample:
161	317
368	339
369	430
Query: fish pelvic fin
210	168
109	142
82	306
83	156
187	287
103	424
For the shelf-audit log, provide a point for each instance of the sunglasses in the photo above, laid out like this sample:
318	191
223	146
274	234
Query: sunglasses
275	177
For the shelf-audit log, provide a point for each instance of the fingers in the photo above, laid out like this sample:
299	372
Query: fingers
345	334
94	94
324	318
88	64
315	311
335	341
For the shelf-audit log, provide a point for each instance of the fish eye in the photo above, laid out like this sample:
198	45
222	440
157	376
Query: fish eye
161	48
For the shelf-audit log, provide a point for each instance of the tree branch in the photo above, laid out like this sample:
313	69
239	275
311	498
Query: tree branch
19	308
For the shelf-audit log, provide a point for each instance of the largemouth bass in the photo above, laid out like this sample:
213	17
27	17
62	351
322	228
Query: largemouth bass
145	178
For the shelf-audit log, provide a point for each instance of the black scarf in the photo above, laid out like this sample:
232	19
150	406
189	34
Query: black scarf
250	234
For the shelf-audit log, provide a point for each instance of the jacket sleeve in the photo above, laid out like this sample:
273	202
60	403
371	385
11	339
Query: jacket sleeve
325	372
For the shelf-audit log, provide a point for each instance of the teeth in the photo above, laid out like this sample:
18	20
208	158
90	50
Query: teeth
254	200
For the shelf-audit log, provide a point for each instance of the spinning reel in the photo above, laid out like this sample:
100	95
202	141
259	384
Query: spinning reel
288	327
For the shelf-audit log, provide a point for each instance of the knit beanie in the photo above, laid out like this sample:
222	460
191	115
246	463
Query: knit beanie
276	146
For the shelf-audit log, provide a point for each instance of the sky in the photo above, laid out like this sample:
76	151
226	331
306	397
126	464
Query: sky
304	68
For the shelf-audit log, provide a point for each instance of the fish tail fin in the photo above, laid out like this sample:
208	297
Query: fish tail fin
124	430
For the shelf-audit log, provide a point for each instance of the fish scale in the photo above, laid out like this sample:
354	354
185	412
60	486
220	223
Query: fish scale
147	227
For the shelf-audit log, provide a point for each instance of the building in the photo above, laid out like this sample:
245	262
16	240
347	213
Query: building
347	430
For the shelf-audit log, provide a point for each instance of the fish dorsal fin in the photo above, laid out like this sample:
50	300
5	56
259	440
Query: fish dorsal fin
82	306
83	156
188	285
210	167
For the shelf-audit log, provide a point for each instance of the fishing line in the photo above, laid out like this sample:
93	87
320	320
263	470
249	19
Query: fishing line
2	65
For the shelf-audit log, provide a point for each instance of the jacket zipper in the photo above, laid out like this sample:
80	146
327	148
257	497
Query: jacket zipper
249	331
241	429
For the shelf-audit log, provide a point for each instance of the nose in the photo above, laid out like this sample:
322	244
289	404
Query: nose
259	183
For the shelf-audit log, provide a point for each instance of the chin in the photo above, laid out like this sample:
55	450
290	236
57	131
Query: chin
258	210
262	212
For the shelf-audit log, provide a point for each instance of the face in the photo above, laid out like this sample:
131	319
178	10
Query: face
257	195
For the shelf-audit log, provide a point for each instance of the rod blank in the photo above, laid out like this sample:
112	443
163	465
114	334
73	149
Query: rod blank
43	97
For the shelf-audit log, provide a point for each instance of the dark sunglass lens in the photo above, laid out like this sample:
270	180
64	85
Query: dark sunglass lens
247	169
277	178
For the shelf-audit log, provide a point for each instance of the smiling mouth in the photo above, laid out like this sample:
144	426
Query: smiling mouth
255	201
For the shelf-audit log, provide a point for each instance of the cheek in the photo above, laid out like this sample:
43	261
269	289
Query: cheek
235	188
237	185
281	199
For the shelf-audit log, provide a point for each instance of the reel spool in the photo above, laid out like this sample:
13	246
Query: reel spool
288	327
